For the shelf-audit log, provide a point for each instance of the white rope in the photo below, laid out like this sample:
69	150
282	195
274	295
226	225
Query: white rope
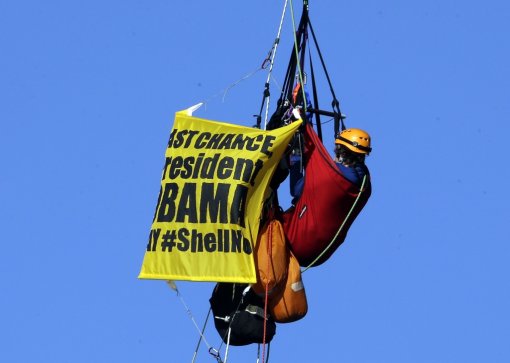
228	345
300	71
271	64
232	85
200	339
224	91
173	286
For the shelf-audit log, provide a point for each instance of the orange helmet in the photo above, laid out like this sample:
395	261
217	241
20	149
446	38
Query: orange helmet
355	140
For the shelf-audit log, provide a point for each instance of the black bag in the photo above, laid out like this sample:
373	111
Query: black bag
243	314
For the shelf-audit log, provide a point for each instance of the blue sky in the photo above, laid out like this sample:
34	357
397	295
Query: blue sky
88	91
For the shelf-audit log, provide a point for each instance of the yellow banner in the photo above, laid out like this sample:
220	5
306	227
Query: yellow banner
212	190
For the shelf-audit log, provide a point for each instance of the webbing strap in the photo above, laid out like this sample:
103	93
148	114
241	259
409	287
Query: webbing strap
335	104
315	99
296	67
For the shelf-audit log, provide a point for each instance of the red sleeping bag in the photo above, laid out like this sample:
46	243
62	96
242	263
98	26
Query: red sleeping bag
327	197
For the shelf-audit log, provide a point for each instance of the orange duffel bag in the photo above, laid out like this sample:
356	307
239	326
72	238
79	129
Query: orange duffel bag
289	303
271	257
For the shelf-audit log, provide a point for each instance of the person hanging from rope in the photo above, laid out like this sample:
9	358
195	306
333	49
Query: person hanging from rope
351	147
327	195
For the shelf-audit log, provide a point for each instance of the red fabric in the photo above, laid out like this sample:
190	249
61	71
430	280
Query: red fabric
323	206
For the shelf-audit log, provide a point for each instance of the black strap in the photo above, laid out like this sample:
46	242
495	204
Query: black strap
301	38
288	84
315	100
335	103
265	95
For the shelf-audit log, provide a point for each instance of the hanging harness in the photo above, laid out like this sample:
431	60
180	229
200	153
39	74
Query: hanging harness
312	224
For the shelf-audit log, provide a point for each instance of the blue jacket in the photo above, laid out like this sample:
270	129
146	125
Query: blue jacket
354	174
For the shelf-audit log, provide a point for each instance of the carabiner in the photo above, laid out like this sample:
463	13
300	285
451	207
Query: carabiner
215	354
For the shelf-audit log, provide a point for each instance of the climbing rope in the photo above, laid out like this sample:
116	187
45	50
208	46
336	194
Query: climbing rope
201	335
271	63
228	343
266	297
212	351
258	353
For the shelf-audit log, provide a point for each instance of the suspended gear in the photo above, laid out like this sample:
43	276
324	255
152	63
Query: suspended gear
271	258
289	303
355	140
239	315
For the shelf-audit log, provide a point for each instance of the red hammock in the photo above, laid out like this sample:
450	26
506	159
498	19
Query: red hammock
326	200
